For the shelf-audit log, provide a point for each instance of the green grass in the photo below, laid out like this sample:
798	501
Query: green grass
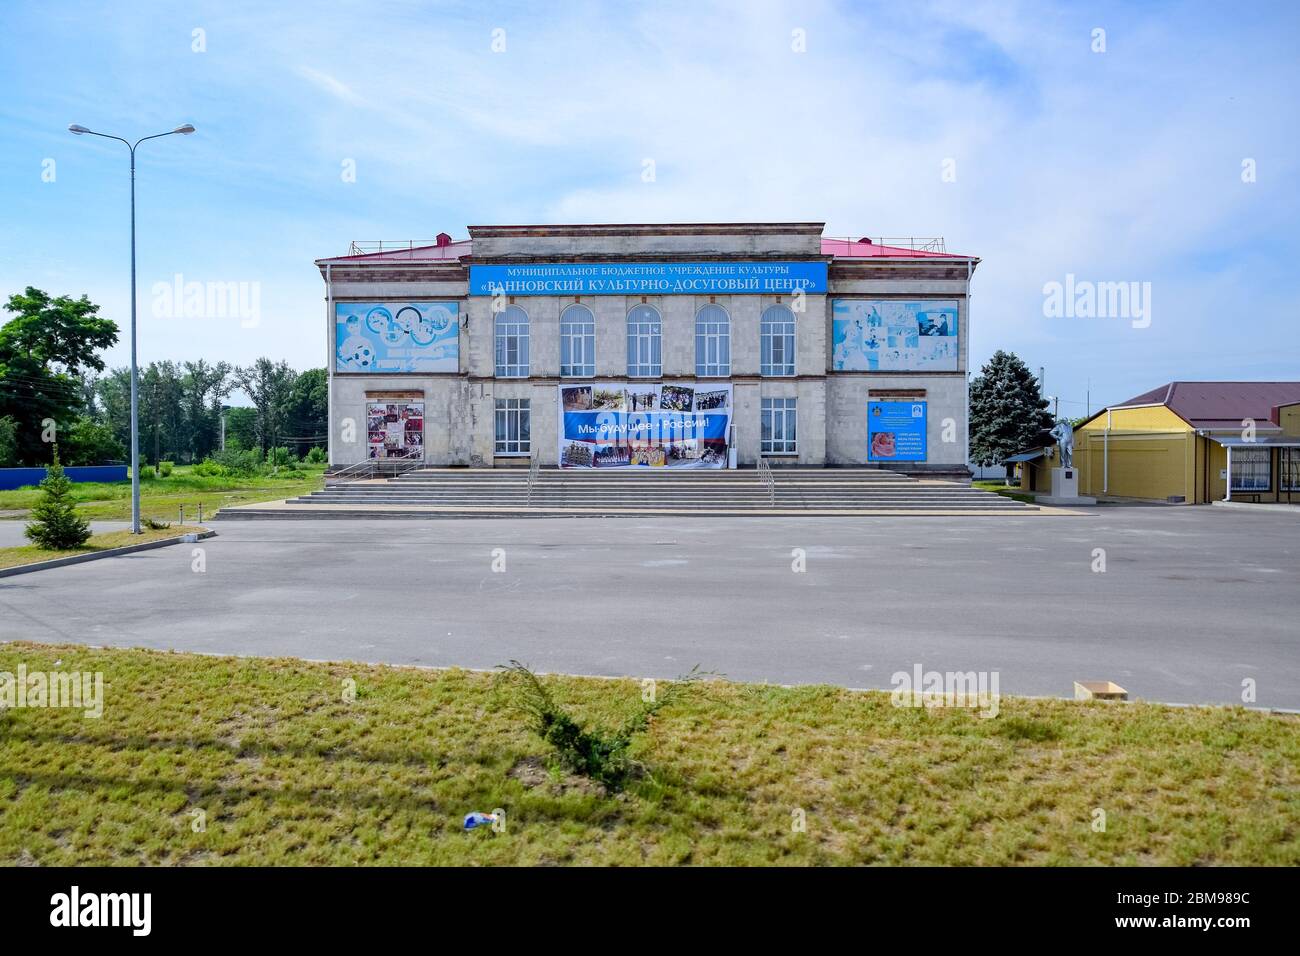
998	487
30	554
289	772
161	498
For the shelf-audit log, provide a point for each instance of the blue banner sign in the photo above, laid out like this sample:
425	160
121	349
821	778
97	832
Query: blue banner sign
896	431
649	278
645	425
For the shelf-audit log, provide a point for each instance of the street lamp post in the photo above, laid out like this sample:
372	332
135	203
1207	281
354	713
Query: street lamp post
135	404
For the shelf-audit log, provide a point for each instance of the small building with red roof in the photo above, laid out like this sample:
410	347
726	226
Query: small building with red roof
1192	442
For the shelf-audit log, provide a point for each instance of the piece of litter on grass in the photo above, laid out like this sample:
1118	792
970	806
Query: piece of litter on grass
476	819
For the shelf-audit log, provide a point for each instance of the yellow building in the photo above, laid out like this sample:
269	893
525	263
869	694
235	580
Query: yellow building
1181	441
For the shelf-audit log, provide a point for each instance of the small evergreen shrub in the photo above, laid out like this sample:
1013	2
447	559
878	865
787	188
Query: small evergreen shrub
165	467
55	525
598	754
316	456
208	468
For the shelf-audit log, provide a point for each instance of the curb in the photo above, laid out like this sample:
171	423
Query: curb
96	555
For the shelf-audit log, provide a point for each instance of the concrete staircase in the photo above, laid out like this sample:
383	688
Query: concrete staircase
506	493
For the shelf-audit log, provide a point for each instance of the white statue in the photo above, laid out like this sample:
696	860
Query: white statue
1063	432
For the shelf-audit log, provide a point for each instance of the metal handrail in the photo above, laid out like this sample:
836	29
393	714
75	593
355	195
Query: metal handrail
534	466
767	478
370	467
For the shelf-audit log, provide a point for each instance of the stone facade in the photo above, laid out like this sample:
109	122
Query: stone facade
831	405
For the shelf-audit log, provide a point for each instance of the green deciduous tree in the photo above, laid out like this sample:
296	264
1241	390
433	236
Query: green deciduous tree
1007	410
268	386
44	350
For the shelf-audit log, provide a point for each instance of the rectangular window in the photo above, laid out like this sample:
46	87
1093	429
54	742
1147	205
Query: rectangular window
777	426
1290	469
513	426
1250	469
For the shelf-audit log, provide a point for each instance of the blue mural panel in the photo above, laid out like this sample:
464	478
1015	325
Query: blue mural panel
379	337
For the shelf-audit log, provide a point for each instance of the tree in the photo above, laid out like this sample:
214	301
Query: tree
56	525
203	387
91	442
44	350
241	428
268	386
308	412
1007	410
8	442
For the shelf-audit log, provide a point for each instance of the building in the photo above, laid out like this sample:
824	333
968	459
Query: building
1181	441
677	345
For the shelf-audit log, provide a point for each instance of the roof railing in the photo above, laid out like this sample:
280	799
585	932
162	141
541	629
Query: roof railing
914	243
362	247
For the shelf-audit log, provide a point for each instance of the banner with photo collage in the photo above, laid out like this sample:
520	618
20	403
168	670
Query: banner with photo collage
395	429
644	425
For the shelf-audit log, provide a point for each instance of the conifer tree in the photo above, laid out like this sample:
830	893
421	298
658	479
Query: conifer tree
56	526
1007	410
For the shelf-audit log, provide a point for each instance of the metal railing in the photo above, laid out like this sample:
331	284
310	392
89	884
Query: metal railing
534	466
375	467
361	247
768	479
914	243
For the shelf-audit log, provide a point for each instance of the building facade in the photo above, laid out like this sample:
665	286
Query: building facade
1189	442
679	345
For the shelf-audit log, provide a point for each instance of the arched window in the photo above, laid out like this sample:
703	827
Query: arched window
644	342
512	343
777	335
577	342
712	341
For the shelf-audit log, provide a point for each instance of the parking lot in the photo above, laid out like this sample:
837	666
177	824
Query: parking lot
1192	602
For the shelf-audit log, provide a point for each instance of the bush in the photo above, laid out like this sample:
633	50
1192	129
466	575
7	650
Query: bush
56	526
599	755
208	468
316	456
165	467
238	463
279	457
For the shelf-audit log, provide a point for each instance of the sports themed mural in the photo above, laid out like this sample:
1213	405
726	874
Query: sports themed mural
396	337
639	424
888	335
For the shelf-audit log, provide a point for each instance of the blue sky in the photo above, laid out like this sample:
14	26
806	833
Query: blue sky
1122	166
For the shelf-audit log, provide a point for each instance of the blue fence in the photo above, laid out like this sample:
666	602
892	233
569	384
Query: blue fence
11	478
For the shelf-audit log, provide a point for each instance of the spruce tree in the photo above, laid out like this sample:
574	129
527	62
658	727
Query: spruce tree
1007	409
56	526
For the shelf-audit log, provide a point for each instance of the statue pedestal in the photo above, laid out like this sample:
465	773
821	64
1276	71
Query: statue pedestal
1065	489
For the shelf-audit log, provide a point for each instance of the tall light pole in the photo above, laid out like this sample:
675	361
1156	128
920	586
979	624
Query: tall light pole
135	403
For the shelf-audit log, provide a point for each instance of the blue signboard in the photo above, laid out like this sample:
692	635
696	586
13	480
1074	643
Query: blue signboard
896	431
649	278
640	424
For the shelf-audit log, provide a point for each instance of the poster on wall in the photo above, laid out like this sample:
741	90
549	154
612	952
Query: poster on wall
888	335
644	425
396	337
395	429
896	431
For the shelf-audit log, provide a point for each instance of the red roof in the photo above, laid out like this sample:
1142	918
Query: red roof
1220	404
866	249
